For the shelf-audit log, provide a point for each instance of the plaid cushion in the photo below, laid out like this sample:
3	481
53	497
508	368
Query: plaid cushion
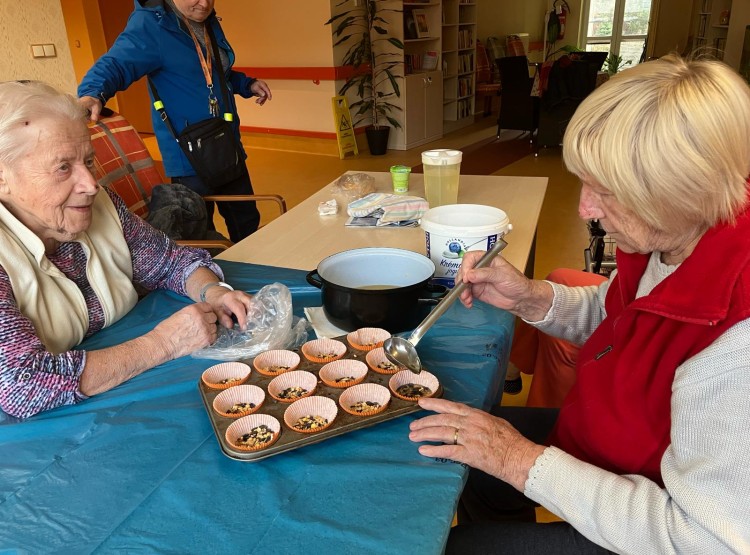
123	162
484	71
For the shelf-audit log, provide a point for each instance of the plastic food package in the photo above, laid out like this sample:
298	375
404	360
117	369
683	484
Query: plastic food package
328	208
270	325
351	187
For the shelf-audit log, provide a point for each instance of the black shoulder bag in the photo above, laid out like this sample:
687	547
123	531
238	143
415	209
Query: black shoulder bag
210	145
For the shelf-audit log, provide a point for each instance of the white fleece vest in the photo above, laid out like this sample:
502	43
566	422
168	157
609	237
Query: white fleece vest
52	302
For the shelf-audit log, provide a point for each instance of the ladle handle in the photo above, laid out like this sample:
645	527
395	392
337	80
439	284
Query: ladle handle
453	294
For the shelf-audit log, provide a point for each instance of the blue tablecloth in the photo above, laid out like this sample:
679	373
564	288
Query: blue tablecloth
139	469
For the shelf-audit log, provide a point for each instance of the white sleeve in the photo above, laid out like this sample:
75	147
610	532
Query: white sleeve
705	504
575	313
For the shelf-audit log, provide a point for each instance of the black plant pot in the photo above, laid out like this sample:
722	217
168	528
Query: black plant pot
377	139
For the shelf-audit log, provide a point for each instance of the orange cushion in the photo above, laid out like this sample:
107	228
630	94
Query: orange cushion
123	162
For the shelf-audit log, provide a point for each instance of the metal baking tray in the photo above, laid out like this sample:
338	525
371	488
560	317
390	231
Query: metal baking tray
289	439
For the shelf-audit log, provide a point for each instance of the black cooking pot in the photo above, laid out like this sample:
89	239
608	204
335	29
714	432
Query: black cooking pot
376	287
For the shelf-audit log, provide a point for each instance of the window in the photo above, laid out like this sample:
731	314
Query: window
617	26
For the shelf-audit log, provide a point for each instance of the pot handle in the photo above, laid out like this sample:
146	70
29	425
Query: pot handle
435	292
311	278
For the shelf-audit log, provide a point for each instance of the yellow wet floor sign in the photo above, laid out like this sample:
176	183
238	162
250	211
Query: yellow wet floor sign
344	128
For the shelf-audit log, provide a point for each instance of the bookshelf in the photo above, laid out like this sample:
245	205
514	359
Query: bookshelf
422	93
710	26
422	36
459	23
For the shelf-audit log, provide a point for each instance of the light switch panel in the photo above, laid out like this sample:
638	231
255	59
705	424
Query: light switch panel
49	50
37	50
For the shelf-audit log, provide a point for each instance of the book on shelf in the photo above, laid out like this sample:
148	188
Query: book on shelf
429	60
465	38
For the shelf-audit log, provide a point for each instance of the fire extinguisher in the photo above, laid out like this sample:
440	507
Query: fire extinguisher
561	10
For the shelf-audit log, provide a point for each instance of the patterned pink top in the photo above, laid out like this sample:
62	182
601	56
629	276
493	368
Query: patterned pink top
32	379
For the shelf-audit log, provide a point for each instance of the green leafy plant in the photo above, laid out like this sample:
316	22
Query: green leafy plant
374	57
613	63
567	49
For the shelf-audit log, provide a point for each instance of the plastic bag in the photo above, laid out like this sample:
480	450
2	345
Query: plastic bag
270	325
351	187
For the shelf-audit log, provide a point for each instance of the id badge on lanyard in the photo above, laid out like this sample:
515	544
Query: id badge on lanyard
207	65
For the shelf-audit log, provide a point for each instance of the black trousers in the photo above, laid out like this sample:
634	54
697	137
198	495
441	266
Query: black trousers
495	518
242	218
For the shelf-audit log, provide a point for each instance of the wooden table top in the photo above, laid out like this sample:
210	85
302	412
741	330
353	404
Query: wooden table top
301	238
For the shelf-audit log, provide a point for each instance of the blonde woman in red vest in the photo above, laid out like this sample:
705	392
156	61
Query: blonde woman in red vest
650	450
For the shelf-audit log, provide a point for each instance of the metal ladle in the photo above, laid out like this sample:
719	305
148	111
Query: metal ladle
402	351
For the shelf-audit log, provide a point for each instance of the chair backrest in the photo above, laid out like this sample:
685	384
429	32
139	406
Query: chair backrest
484	70
570	80
496	47
514	75
595	59
123	162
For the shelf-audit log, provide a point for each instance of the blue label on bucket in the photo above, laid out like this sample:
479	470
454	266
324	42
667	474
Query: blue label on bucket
447	254
446	282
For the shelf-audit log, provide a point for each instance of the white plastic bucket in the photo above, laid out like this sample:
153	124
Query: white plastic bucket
452	230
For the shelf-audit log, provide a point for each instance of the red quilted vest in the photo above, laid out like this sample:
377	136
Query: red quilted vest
617	416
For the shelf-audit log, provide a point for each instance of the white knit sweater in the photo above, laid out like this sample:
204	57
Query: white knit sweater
704	507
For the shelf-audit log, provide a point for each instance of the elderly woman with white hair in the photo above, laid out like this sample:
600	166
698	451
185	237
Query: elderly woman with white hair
650	450
70	257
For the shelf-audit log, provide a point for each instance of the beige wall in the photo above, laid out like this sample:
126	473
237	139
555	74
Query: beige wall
27	22
672	27
739	19
283	33
506	17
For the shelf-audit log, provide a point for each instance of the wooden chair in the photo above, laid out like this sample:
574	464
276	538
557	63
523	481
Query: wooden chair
124	164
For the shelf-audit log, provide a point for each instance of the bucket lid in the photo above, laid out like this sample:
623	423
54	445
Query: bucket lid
466	220
441	157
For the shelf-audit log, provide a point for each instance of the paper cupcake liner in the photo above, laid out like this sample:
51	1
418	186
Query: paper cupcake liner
323	350
406	377
238	372
379	363
225	400
273	363
246	424
295	378
367	339
316	406
335	374
362	395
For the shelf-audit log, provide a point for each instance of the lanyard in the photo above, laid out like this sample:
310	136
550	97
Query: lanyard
206	64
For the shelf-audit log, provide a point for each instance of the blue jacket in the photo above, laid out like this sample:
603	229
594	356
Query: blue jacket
156	43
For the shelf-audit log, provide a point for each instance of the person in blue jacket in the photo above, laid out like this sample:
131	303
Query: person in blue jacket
167	40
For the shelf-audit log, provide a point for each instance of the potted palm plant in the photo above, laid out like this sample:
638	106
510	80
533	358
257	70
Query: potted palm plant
374	56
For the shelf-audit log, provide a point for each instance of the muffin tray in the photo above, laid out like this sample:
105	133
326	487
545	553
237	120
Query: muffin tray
289	439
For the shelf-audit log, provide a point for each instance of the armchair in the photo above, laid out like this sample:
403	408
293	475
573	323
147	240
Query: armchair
124	164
